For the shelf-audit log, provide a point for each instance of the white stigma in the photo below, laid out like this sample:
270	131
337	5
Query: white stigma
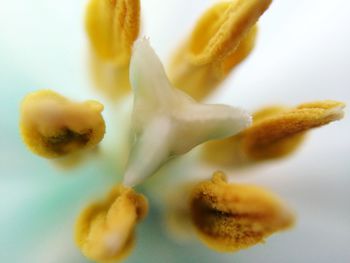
166	122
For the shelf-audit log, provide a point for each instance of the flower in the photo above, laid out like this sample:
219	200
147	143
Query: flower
74	188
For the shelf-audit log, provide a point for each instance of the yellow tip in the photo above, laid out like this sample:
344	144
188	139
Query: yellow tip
105	230
52	126
230	217
112	27
222	38
221	29
281	133
276	132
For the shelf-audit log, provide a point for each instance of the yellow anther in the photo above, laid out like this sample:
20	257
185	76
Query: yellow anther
105	230
113	26
222	28
243	50
276	132
281	133
52	126
229	217
223	37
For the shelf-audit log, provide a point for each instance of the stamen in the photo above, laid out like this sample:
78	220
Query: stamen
276	132
112	27
267	137
105	230
52	126
223	37
229	217
166	122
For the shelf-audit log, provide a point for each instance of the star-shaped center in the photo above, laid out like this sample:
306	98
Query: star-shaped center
166	122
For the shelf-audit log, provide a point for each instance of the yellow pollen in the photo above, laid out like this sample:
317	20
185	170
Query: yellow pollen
230	217
276	132
105	230
112	28
281	133
223	37
52	126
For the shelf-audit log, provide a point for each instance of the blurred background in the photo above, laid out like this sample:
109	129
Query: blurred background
302	54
